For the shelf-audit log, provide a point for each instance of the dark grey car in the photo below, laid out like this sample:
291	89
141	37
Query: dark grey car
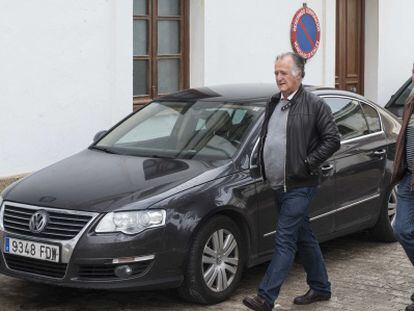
172	196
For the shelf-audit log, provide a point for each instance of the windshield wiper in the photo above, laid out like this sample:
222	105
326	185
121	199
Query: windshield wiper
159	156
104	149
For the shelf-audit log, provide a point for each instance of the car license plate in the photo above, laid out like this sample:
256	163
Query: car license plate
32	249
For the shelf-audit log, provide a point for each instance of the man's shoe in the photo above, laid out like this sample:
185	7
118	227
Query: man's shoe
310	297
410	307
256	303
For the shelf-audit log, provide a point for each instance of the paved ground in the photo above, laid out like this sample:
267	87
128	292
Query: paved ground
365	275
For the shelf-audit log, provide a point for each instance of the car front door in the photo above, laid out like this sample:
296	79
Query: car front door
360	162
320	210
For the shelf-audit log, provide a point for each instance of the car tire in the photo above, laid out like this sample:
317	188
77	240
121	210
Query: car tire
382	231
206	270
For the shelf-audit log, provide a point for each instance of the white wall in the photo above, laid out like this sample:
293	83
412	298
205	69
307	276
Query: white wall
241	39
66	69
388	47
396	46
66	72
371	50
197	13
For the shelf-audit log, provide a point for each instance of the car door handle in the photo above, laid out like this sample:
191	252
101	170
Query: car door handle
380	152
327	167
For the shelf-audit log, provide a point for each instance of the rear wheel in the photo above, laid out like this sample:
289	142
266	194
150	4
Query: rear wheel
215	262
382	230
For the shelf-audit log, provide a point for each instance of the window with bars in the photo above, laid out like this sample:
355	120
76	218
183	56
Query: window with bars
160	48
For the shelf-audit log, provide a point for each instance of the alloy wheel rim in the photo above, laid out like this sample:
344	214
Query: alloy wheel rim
220	260
392	204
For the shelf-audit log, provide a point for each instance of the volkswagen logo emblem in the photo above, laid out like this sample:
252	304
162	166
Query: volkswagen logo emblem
38	221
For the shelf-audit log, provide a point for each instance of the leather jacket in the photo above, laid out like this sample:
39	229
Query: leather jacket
312	137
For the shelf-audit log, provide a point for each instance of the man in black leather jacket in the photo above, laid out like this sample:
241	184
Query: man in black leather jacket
299	134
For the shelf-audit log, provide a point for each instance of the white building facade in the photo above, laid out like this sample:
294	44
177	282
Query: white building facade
67	68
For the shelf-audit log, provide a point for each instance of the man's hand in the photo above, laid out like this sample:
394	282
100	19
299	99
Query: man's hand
311	171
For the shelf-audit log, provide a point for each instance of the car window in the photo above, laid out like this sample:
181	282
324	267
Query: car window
372	117
348	116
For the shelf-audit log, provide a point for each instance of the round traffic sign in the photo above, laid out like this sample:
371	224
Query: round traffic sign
305	32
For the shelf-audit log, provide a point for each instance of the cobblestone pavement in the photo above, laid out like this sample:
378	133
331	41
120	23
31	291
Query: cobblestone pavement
365	275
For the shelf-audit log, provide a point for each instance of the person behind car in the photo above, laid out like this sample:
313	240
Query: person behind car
298	134
403	175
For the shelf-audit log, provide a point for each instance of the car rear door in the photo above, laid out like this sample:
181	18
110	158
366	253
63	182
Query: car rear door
360	162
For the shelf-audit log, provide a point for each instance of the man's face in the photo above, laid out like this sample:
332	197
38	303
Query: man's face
285	80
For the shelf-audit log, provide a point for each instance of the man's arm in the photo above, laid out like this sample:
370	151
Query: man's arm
329	138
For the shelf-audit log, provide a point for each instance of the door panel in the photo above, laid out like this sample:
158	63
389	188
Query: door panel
268	211
359	170
266	208
360	163
349	45
323	204
267	217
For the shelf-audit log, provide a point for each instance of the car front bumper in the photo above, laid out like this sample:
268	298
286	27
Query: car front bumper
93	261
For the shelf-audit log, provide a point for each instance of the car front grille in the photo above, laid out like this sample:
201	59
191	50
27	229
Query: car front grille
62	224
35	266
99	272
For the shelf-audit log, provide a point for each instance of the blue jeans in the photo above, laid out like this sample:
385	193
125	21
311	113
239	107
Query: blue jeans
404	218
293	233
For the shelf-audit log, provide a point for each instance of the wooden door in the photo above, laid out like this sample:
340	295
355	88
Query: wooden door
349	71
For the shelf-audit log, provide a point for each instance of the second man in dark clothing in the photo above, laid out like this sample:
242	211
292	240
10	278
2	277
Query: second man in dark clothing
299	133
403	174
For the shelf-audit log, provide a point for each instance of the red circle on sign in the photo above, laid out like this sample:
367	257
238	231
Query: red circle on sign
305	32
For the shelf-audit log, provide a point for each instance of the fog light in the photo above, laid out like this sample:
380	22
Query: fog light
123	271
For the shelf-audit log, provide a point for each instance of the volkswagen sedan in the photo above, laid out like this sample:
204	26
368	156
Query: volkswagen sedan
173	196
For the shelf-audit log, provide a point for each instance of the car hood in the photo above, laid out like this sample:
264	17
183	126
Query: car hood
101	182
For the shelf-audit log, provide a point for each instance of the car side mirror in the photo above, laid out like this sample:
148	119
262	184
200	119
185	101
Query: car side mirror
99	135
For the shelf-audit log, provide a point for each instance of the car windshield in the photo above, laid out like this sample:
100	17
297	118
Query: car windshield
188	130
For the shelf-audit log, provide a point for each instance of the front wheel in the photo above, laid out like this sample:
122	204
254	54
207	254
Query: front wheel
382	230
215	262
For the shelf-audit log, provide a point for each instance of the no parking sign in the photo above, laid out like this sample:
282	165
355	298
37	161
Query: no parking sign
305	32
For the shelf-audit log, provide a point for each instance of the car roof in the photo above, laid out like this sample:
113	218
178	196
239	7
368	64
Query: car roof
246	92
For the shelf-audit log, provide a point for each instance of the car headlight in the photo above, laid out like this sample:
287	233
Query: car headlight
131	222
